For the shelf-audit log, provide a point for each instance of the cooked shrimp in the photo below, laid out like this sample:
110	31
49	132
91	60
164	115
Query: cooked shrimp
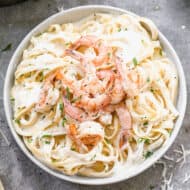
93	90
94	93
94	103
107	77
49	95
88	134
125	122
73	112
117	93
77	113
99	46
85	63
130	78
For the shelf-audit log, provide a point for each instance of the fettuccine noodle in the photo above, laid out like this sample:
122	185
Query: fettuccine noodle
91	95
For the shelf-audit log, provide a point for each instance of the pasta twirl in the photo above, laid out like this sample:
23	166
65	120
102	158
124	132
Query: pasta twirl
95	94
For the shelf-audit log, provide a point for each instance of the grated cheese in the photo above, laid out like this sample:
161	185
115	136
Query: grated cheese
4	137
60	8
184	153
168	158
187	178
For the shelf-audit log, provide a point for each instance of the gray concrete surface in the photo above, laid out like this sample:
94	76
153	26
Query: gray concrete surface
173	19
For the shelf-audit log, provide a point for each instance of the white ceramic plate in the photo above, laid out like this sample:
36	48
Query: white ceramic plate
71	15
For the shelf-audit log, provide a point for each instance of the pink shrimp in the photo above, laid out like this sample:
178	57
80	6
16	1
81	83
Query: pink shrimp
117	94
93	89
73	112
48	95
87	140
99	46
85	64
78	113
125	122
130	78
92	104
107	77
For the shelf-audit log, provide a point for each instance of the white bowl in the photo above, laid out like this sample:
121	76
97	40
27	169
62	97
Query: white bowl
71	15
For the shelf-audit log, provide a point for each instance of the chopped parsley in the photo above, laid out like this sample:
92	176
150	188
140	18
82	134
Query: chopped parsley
109	54
148	154
135	62
64	121
161	53
73	149
107	141
145	140
76	99
61	106
46	136
68	43
12	100
7	48
29	140
152	90
68	93
170	132
145	123
119	30
93	157
17	121
41	75
47	142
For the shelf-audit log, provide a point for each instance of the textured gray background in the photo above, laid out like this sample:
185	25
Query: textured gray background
173	19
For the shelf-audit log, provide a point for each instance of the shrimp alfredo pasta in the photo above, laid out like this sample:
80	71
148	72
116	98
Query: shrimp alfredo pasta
92	95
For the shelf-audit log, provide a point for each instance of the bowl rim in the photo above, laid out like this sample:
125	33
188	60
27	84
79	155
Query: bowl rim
85	180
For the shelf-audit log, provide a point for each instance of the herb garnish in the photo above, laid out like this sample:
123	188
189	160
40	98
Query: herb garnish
61	106
145	140
17	121
41	74
68	93
68	43
145	123
29	140
107	141
8	47
46	136
152	90
73	149
148	79
161	52
76	99
64	121
12	100
148	154
93	157
119	29
135	62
